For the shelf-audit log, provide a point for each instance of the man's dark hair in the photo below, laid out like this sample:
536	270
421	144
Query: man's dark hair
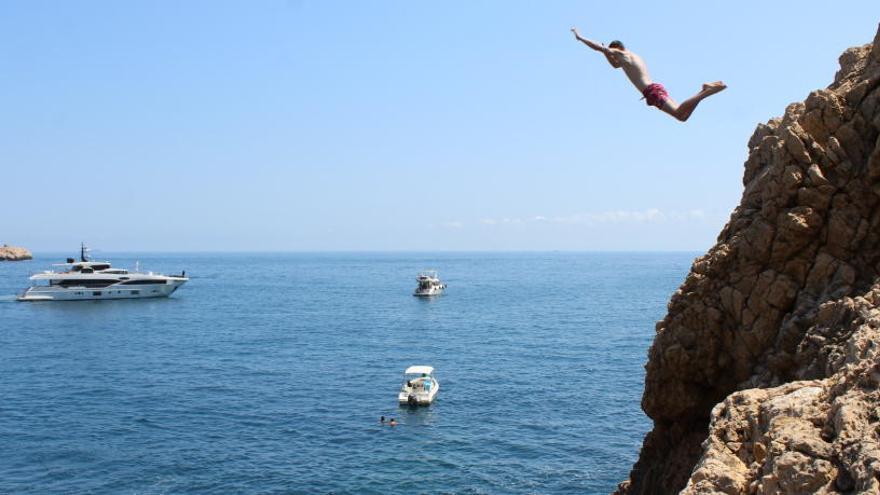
617	44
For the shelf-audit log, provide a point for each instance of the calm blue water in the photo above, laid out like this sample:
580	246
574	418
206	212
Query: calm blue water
268	373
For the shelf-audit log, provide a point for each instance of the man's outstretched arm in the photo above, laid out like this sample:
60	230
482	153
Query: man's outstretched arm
599	47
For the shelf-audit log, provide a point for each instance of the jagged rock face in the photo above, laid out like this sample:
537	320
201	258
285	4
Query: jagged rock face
770	306
10	253
808	436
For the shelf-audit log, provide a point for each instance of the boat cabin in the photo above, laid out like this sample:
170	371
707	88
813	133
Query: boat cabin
418	376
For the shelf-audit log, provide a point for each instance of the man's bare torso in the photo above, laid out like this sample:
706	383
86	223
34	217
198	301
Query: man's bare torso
634	67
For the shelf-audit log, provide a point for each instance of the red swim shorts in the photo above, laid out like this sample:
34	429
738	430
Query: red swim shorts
655	94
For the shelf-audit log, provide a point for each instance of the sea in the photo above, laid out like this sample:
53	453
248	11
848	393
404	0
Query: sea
268	373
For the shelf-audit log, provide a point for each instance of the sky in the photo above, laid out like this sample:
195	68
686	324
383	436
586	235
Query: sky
389	125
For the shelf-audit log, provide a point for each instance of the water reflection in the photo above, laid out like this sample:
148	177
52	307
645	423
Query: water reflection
418	415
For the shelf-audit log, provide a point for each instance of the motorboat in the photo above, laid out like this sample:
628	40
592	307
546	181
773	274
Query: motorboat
87	280
419	386
429	284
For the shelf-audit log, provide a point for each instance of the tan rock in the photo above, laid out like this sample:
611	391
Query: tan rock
11	253
797	474
816	175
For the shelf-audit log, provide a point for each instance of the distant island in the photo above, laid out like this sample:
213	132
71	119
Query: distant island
12	253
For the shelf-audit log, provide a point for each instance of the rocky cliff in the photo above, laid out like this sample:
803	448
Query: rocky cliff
10	253
763	376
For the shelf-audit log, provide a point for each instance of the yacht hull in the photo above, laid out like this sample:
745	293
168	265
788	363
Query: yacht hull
428	293
35	294
418	398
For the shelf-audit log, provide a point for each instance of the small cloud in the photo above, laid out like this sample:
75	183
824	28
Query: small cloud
650	215
455	224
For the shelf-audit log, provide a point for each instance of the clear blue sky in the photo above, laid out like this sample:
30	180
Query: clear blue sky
472	125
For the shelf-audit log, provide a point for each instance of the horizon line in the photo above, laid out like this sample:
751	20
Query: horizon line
377	251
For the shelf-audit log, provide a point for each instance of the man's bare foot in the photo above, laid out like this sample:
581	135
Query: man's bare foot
712	88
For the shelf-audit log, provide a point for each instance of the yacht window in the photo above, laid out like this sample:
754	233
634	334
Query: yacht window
94	283
96	293
144	282
100	267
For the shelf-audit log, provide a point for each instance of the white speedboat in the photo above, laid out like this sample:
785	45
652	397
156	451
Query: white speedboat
87	280
429	284
419	386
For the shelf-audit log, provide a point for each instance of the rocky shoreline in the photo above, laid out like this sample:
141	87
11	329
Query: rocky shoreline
12	253
764	376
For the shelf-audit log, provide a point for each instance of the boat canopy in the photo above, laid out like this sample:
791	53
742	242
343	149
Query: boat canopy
419	370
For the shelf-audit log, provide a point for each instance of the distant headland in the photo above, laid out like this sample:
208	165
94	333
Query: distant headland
12	253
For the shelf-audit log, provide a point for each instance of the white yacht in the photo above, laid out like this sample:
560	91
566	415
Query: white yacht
419	386
429	284
95	280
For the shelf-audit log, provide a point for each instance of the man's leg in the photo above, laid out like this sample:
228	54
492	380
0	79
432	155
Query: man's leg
684	110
